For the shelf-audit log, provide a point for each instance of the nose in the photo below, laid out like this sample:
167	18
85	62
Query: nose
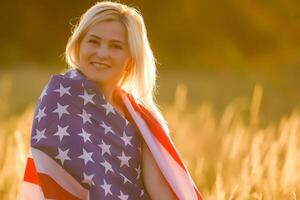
102	51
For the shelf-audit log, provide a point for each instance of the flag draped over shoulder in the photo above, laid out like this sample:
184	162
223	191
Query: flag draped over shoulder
163	150
82	148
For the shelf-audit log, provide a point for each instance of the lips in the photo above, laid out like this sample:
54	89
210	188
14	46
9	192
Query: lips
100	65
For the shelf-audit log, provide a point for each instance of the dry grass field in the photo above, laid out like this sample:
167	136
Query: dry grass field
230	156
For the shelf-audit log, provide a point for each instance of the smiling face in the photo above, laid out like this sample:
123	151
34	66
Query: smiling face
104	53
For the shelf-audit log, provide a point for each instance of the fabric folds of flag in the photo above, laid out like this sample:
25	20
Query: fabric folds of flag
163	151
81	148
50	182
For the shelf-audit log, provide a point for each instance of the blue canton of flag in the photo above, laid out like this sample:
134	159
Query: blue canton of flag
76	127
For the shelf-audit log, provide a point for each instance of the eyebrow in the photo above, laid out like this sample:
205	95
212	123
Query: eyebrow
99	38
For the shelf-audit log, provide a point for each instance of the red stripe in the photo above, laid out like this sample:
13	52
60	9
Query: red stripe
50	188
53	190
160	134
157	131
130	118
30	174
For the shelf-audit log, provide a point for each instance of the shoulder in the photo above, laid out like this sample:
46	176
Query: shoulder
70	87
71	78
69	83
64	95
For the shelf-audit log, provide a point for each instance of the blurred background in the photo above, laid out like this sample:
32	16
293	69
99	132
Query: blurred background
219	49
211	55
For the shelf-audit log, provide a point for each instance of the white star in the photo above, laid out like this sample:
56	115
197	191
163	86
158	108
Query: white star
126	179
39	135
106	128
124	159
85	135
44	92
138	170
107	166
63	90
61	132
126	122
86	117
41	114
88	179
105	148
87	97
122	196
106	188
109	109
63	155
142	192
86	156
73	74
126	139
60	110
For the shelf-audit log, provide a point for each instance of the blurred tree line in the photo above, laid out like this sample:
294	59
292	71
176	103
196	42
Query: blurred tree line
183	33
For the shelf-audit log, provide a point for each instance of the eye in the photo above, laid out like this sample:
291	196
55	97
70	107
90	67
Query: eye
116	46
93	41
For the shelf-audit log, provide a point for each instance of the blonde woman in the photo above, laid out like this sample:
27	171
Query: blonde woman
97	132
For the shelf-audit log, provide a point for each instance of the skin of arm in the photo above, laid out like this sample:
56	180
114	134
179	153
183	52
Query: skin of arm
155	183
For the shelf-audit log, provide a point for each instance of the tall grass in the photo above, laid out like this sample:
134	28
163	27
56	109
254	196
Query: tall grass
14	141
230	156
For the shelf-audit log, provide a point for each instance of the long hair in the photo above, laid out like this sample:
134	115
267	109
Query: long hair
140	78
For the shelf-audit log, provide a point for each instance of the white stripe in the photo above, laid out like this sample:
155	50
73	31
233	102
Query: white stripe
182	179
29	153
45	164
178	179
30	191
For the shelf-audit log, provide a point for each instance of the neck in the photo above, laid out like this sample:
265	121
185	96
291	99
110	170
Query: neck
111	95
108	92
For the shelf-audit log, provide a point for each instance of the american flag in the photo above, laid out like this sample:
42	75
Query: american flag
77	134
82	148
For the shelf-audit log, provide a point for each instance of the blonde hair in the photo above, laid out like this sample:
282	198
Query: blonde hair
140	79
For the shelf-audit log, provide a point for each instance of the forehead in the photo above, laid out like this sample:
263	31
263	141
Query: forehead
109	30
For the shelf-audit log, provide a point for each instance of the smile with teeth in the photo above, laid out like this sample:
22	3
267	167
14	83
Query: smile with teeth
100	65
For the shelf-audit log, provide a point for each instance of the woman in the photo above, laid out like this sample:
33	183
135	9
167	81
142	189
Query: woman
97	132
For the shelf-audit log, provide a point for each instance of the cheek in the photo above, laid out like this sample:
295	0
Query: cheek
122	59
84	52
81	54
